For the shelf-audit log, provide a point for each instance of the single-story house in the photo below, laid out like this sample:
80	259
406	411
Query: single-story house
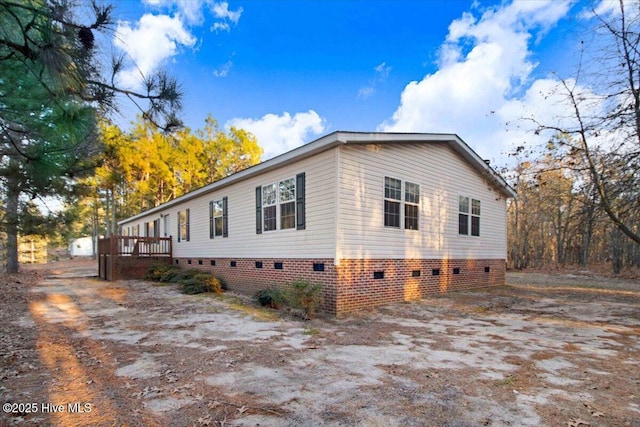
375	218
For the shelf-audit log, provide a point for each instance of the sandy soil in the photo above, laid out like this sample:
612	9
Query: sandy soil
546	350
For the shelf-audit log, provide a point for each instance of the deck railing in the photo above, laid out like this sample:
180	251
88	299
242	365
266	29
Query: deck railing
130	256
136	246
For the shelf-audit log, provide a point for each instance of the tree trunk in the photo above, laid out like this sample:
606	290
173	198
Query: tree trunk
616	250
95	230
107	213
586	235
113	212
11	219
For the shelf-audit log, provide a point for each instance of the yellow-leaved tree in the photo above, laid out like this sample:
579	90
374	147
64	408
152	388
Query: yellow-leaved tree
146	167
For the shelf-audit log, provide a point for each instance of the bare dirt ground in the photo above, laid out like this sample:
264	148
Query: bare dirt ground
561	350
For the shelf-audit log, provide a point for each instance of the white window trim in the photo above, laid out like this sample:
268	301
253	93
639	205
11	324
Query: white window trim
221	216
402	225
278	203
386	199
469	216
187	224
265	206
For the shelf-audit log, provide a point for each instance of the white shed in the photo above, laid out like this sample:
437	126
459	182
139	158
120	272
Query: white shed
82	246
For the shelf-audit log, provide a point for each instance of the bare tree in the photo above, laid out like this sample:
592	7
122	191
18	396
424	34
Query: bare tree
604	107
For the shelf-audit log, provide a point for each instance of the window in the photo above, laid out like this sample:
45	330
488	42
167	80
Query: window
152	228
287	192
183	226
463	215
475	217
281	205
166	225
127	232
411	205
218	218
393	201
269	208
468	216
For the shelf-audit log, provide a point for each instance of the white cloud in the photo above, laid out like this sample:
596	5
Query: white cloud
605	7
221	10
381	73
366	92
278	134
190	10
220	26
383	70
149	43
224	70
484	64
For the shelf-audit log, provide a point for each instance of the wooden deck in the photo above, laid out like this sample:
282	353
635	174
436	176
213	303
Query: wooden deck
129	257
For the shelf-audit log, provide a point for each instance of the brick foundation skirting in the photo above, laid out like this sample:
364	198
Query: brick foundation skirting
355	284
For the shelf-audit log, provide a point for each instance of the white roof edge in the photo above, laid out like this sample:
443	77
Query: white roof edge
329	141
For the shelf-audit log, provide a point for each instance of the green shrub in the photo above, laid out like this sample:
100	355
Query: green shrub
300	296
191	281
304	296
270	297
162	272
223	285
200	283
182	275
169	276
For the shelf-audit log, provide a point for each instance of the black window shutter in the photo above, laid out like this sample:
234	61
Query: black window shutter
258	210
211	221
179	227
188	227
300	189
225	221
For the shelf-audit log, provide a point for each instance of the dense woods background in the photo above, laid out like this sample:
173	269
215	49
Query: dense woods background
557	220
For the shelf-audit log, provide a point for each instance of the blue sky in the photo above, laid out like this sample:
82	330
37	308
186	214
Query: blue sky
292	71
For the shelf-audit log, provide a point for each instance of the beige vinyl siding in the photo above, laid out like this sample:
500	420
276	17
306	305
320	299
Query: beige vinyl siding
317	240
443	176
